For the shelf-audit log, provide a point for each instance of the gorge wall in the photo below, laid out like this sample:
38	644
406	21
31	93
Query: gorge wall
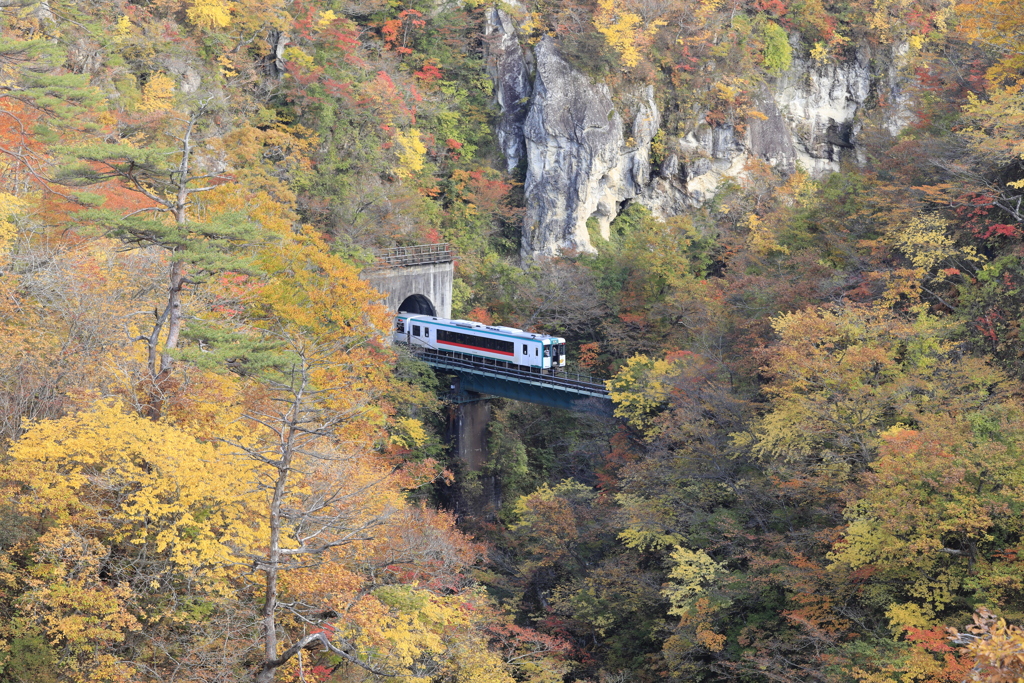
584	161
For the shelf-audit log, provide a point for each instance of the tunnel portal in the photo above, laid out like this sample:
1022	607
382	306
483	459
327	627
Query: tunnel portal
414	279
418	304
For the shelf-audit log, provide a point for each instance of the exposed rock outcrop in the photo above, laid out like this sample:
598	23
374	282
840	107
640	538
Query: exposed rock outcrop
584	161
580	163
506	62
810	119
187	72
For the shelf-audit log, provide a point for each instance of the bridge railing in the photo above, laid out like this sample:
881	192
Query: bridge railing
566	380
421	254
581	375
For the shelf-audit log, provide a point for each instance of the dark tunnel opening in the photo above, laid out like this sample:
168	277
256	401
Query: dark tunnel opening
417	304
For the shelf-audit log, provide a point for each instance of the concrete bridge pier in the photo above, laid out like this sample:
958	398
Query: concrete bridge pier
471	419
479	492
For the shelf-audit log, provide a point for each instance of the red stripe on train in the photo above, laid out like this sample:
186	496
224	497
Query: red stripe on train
477	348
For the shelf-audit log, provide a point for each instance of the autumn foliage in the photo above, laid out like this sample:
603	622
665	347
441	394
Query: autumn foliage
214	465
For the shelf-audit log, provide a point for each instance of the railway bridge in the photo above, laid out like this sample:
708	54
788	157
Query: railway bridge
419	280
470	411
568	390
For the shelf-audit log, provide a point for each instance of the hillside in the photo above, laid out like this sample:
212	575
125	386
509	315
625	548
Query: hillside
788	232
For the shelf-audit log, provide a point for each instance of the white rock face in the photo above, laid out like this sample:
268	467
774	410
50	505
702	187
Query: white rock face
580	164
820	104
507	65
584	161
812	121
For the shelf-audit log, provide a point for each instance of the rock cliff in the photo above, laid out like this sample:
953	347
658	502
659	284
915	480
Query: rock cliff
512	86
585	162
580	162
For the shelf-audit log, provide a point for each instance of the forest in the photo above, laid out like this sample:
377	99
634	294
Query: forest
214	465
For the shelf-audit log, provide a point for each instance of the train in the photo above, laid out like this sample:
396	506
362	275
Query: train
504	347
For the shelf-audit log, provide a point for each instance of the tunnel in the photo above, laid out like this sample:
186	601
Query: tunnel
417	304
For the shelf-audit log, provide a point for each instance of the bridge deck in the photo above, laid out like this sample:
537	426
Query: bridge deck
573	391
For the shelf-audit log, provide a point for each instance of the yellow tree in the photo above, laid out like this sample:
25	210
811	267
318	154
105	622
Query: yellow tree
64	318
337	518
999	26
939	515
341	562
624	31
935	533
128	528
996	647
842	375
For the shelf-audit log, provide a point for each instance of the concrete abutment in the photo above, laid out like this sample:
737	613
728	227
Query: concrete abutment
421	287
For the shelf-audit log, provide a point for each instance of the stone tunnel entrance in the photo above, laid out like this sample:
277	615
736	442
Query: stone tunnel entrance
418	304
414	279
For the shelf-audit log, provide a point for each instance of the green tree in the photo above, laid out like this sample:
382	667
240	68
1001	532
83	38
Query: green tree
778	54
166	174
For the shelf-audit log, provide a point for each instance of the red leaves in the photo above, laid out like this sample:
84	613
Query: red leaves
998	230
484	189
390	31
687	61
321	673
675	355
933	640
986	325
774	7
429	72
1006	555
480	315
519	642
397	32
589	355
860	575
336	88
622	452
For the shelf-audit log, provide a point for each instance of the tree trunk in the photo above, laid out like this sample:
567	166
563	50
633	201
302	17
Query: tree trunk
174	317
271	661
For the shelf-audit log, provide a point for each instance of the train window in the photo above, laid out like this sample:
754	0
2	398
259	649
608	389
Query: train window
426	332
526	350
547	352
415	330
400	325
475	342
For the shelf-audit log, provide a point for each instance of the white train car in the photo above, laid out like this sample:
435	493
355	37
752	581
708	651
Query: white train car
489	344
